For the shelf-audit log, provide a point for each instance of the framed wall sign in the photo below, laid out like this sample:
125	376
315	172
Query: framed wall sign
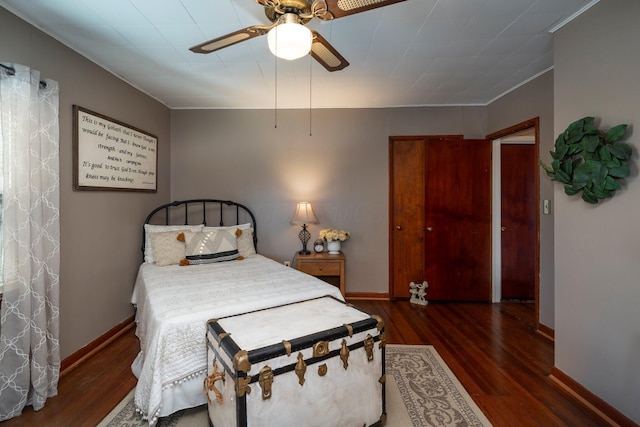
109	155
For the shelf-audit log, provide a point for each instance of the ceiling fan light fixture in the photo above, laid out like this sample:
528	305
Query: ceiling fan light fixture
289	39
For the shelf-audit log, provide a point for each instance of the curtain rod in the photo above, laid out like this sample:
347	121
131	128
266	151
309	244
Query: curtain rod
12	72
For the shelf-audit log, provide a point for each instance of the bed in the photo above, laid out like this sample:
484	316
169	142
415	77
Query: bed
174	301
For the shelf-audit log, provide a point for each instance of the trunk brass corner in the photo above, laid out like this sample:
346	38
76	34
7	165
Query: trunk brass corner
380	321
241	361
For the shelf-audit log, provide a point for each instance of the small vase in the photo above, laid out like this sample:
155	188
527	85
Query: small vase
333	247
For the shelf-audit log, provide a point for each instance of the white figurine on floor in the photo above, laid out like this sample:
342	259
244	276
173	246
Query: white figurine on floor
418	293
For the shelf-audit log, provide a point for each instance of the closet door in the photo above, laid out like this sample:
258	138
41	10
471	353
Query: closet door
457	261
406	214
440	217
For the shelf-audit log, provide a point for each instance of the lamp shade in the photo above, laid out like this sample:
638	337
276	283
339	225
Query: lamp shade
304	214
290	39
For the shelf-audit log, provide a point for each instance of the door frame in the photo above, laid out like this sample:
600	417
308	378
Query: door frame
496	218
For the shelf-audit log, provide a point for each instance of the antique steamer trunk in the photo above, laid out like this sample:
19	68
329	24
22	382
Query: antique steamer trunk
318	362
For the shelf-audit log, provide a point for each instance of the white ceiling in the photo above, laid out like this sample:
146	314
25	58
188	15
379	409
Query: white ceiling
417	52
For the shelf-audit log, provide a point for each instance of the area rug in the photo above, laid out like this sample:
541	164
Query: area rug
431	393
421	392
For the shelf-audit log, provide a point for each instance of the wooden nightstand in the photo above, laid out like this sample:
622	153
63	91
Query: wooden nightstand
329	268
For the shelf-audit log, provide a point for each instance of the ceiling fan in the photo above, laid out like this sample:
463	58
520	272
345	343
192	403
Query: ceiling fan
293	15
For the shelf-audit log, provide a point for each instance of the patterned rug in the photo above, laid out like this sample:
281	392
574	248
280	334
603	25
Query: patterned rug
421	392
431	393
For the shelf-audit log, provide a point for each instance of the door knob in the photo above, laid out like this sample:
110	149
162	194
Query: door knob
430	229
398	228
503	228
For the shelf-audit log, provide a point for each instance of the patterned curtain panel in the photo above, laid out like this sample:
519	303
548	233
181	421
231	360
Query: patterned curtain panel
29	318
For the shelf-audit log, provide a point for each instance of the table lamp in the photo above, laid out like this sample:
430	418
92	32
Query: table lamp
304	215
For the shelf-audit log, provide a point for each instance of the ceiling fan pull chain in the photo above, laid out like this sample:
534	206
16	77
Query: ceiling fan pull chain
275	89
310	104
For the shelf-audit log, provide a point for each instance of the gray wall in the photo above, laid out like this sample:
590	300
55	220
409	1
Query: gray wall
597	248
342	169
100	231
534	99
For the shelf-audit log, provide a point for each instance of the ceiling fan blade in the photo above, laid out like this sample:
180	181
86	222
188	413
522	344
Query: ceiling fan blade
340	8
326	54
230	39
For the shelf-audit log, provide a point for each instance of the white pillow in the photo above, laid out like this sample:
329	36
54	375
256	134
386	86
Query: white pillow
167	249
245	243
245	240
149	229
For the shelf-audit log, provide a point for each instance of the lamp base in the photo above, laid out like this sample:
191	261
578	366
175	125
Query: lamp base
304	237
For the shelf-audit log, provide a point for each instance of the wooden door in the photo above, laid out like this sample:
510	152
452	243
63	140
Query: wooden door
518	220
440	216
458	220
407	214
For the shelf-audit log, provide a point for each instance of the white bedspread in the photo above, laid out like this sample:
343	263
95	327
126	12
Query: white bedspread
175	303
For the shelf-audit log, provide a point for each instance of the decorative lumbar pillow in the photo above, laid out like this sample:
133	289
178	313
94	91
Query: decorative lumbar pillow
167	249
149	229
206	247
246	247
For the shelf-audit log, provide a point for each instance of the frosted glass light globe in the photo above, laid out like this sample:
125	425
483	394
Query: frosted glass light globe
289	40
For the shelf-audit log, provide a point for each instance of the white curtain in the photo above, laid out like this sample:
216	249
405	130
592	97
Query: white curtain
29	327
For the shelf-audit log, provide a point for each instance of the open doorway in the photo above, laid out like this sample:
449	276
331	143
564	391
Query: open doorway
515	219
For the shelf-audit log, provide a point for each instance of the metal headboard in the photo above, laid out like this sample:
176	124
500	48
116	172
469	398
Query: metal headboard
199	211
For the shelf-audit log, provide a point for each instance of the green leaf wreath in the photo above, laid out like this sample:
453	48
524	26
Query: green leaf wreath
590	161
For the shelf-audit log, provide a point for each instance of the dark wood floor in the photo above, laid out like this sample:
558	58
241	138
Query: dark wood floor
492	349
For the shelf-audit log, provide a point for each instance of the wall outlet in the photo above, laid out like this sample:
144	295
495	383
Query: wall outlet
287	263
